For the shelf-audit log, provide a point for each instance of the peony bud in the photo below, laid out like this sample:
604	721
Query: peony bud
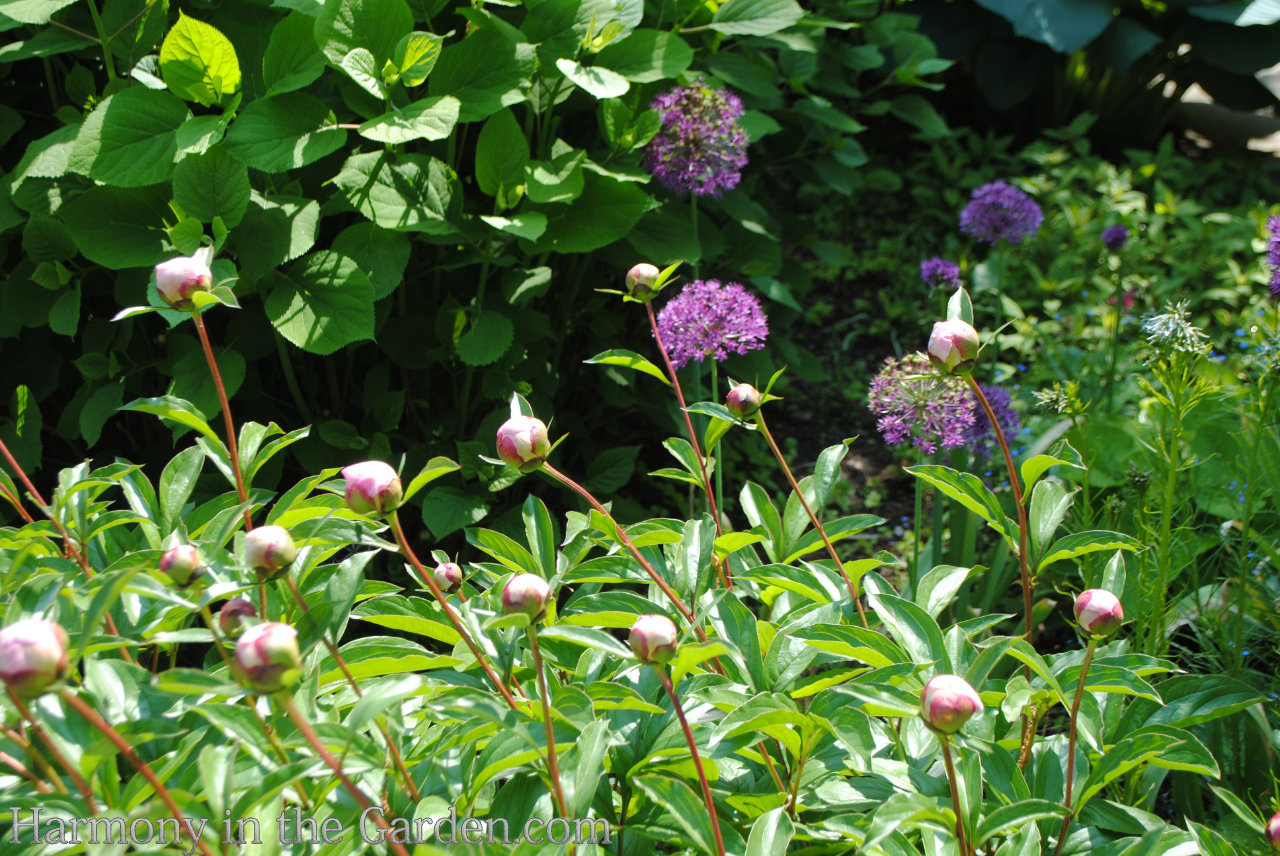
743	401
526	593
268	657
640	281
372	488
448	576
653	639
948	702
33	656
231	618
953	346
1273	832
523	443
269	550
1098	612
178	279
183	564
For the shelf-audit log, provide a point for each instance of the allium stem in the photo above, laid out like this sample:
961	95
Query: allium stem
813	518
39	732
688	423
93	718
425	576
325	755
553	765
1023	558
227	421
693	750
945	741
1071	741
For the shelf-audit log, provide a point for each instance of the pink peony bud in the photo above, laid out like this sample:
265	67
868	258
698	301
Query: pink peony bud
269	550
268	657
448	576
640	281
948	702
183	564
1098	612
231	618
526	593
523	443
743	401
372	488
653	639
953	346
178	279
33	656
1273	832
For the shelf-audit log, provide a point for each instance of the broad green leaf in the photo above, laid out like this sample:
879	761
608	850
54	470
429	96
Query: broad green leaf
380	695
1021	650
959	306
212	185
194	682
373	25
1063	454
1190	700
685	808
506	550
647	56
596	80
968	490
770	834
119	228
292	59
386	655
501	154
325	302
487	339
177	483
434	469
1014	816
176	410
410	614
199	63
414	57
361	66
854	643
1050	501
905	808
407	193
130	138
1080	543
756	17
806	583
284	132
528	225
1121	758
586	637
485	71
604	212
381	253
276	230
428	119
448	509
629	359
33	11
914	629
939	586
1065	27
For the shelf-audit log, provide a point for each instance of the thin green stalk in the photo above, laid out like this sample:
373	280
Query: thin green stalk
1246	522
1113	356
936	527
291	380
718	500
1071	742
553	765
103	39
913	573
945	741
693	217
38	759
693	751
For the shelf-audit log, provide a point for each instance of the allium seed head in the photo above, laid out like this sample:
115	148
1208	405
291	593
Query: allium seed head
701	147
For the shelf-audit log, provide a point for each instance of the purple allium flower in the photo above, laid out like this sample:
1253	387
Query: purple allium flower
701	148
1115	238
707	319
1273	255
981	439
938	272
917	405
1000	212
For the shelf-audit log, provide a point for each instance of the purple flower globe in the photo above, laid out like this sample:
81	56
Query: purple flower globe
1273	255
701	147
653	639
914	404
939	273
707	319
372	488
1098	612
1000	212
948	702
33	656
1114	238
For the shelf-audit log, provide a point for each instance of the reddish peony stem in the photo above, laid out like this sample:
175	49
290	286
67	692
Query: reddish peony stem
227	421
693	750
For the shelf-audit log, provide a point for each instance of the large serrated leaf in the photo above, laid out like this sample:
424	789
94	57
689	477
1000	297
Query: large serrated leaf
199	63
291	60
284	132
325	302
120	228
488	338
374	25
407	193
485	72
130	139
211	185
275	230
428	119
756	17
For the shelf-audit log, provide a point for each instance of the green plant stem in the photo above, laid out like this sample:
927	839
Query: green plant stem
913	573
103	39
325	755
45	767
693	750
448	611
1023	529
227	421
945	741
291	380
1071	741
68	544
1246	522
693	219
1113	356
718	501
813	518
553	765
688	422
18	767
796	773
936	525
43	737
17	503
93	718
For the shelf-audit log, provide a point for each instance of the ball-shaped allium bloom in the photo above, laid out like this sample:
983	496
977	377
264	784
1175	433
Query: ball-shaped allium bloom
448	575
178	279
267	656
1115	238
523	442
372	488
953	346
232	617
1000	212
1098	612
937	272
915	404
701	147
183	564
33	656
1273	831
641	280
269	550
707	319
526	593
743	401
653	639
948	702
